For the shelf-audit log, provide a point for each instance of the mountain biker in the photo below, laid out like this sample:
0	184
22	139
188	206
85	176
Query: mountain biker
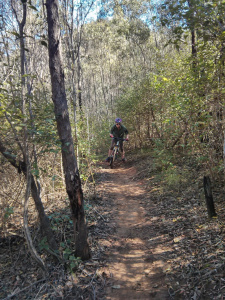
118	131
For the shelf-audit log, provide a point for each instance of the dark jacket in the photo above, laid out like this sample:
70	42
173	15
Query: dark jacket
119	133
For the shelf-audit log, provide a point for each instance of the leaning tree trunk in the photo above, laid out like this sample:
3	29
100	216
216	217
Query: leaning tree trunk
44	220
72	177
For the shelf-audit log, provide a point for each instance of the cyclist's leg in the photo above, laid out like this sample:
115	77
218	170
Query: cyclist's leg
113	142
122	150
110	151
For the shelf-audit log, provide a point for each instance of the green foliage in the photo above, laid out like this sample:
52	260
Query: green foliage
204	17
138	31
176	177
61	222
72	261
43	245
8	211
59	219
170	170
41	128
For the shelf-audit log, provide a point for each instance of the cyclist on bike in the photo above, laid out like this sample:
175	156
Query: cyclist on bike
117	131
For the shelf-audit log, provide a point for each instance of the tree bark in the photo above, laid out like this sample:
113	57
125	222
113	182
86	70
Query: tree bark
71	173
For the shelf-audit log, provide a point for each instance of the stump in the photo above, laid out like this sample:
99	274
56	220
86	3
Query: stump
209	197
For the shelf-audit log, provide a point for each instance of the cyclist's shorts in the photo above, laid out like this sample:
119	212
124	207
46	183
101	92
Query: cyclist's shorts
113	142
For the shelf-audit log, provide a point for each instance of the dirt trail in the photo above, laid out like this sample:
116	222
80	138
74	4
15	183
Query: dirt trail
136	260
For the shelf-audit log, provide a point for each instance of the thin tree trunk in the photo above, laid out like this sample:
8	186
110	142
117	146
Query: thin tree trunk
25	165
193	39
79	79
71	173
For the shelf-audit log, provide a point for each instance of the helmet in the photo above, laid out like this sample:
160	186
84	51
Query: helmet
118	120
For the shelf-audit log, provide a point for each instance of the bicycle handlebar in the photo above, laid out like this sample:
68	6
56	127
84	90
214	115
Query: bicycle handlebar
120	139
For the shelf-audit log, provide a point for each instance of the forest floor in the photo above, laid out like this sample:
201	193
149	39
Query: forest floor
148	241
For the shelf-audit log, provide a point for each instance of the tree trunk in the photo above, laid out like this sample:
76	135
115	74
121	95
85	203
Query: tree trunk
22	166
193	51
193	39
71	173
79	79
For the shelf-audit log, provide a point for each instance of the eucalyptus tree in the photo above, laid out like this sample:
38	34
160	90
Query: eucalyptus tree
74	14
71	172
130	9
115	53
118	52
15	114
200	24
202	18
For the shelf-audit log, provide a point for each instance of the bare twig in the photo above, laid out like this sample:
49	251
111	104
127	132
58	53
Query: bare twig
16	292
99	214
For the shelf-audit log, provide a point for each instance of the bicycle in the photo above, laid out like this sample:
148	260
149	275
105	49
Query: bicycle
115	151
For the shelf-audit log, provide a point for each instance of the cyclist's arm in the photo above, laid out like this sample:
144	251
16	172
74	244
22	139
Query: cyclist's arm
126	132
112	131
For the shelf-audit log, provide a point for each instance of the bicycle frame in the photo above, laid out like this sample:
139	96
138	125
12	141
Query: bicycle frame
115	152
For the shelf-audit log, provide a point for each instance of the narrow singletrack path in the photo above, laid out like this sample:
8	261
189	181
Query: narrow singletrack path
136	259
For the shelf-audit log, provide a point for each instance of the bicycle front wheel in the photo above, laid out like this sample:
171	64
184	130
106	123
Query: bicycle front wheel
111	162
114	156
